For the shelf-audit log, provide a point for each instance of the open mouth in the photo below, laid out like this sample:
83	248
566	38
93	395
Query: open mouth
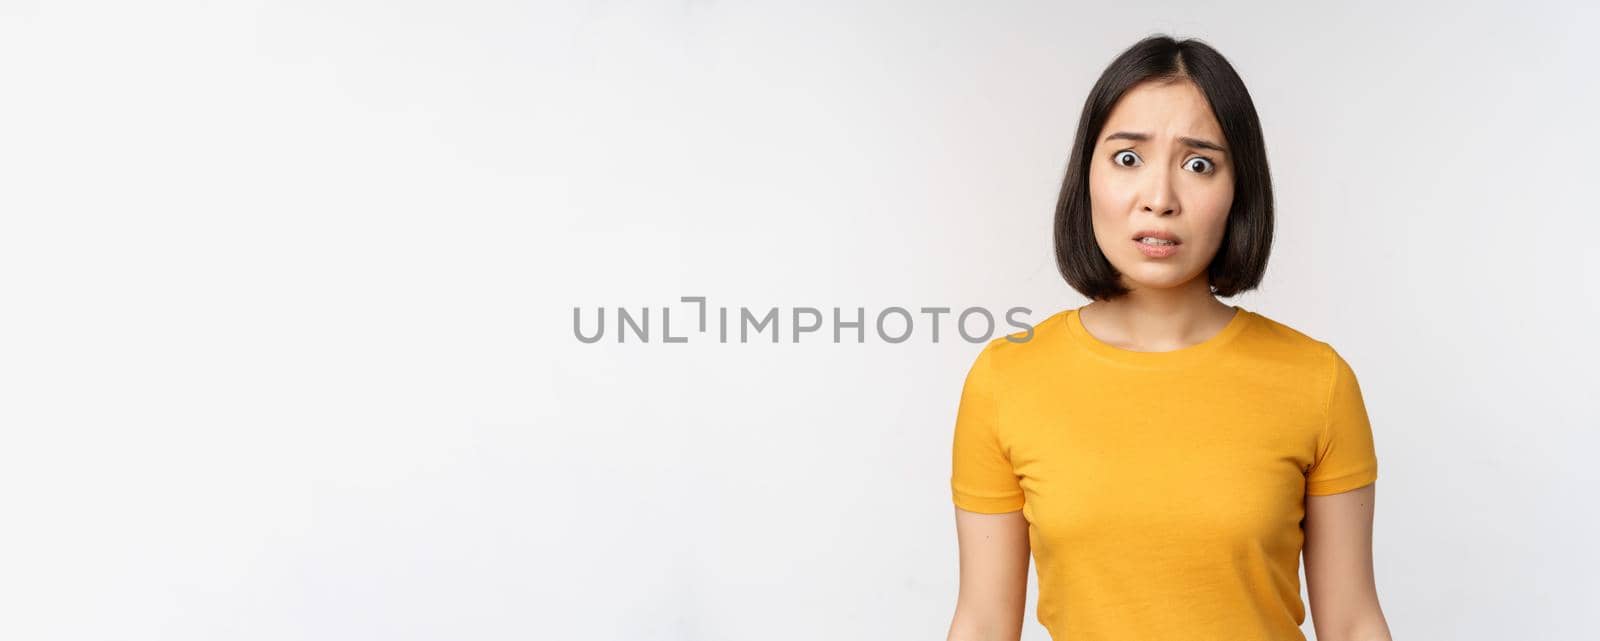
1156	247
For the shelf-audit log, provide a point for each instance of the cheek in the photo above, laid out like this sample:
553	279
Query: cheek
1211	204
1207	205
1105	192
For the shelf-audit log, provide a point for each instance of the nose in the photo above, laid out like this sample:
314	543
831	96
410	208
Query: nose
1158	196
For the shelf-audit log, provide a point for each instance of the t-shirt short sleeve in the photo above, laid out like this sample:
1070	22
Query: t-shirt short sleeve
981	476
1346	458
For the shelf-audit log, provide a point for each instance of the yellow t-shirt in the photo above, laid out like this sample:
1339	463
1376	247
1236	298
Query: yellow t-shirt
1164	491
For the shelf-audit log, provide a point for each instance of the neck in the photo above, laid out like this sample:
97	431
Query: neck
1151	319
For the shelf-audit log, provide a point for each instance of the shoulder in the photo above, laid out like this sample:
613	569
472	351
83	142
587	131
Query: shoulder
1027	349
1283	332
1272	334
1290	346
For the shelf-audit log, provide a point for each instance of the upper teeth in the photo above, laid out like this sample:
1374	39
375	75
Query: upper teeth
1156	241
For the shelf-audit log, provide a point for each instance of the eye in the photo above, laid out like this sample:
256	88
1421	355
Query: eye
1125	154
1204	163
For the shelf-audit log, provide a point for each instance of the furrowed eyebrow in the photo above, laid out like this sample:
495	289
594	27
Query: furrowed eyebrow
1202	144
1197	143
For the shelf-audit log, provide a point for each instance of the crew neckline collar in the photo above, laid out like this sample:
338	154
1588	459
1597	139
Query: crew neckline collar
1180	357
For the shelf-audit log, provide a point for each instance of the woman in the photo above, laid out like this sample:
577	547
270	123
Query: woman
1165	457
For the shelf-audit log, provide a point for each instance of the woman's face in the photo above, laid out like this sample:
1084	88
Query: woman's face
1159	165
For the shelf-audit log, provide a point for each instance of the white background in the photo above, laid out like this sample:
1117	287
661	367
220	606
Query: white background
286	295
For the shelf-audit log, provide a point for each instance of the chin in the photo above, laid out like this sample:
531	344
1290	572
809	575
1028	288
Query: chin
1156	277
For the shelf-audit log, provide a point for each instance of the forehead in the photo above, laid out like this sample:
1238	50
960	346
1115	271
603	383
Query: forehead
1164	110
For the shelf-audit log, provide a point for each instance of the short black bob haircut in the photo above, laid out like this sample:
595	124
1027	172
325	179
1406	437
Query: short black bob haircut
1241	259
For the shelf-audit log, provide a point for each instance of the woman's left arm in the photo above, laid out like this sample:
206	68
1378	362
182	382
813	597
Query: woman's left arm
1338	552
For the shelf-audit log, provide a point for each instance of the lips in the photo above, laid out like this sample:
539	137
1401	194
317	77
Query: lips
1156	233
